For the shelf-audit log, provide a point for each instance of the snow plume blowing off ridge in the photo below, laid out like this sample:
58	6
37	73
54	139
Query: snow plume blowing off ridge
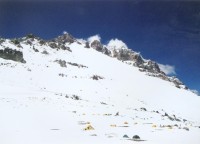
116	44
167	69
94	37
65	32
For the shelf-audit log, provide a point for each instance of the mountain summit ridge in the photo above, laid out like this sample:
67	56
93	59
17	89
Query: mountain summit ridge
115	48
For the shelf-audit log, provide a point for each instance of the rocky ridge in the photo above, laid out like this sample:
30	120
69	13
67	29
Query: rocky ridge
126	55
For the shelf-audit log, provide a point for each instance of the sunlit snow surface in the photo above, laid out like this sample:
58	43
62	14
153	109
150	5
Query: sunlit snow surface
37	104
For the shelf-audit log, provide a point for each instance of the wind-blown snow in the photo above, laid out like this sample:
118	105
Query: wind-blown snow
95	37
116	44
38	103
168	69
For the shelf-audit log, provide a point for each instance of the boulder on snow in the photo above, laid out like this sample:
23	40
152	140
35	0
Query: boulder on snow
45	52
186	128
125	136
136	137
143	109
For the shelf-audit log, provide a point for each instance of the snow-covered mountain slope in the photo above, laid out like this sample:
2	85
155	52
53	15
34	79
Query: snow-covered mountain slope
71	91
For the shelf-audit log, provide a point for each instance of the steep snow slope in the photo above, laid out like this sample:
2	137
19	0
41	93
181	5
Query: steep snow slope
58	93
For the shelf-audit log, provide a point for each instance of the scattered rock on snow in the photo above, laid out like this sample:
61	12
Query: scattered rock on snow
186	128
75	97
103	103
77	65
36	50
184	120
144	109
96	77
62	75
61	62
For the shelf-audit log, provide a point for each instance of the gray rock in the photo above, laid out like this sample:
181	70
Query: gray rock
136	137
36	50
106	51
63	47
87	45
65	38
45	52
77	65
144	109
75	97
186	128
61	62
96	77
97	45
125	136
11	54
53	45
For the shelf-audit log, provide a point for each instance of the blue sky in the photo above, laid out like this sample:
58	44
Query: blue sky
166	32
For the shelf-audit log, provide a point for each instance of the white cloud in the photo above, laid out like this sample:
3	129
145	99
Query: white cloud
167	69
95	37
117	44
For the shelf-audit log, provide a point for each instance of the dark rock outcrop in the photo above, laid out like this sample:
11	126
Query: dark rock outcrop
97	45
62	63
106	51
186	128
136	137
96	77
55	45
11	54
125	136
152	66
77	65
65	38
87	45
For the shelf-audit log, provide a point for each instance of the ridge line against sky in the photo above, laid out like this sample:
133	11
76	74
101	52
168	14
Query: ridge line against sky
166	32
